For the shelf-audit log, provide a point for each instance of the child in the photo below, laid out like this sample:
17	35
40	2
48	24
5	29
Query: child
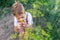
21	18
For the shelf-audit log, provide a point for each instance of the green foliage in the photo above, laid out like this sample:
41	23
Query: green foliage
49	26
12	36
36	33
45	13
6	3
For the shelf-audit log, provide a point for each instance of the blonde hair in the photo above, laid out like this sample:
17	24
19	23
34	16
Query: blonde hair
17	7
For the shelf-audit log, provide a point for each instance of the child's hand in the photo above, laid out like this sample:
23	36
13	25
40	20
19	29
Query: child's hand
19	25
25	24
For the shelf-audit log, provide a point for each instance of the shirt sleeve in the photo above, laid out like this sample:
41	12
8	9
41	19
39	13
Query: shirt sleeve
15	21
30	20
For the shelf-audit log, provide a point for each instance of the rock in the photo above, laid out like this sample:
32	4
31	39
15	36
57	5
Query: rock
6	27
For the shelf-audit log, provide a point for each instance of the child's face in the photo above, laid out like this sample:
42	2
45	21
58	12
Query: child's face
19	15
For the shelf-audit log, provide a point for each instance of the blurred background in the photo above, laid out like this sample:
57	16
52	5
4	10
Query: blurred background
46	17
